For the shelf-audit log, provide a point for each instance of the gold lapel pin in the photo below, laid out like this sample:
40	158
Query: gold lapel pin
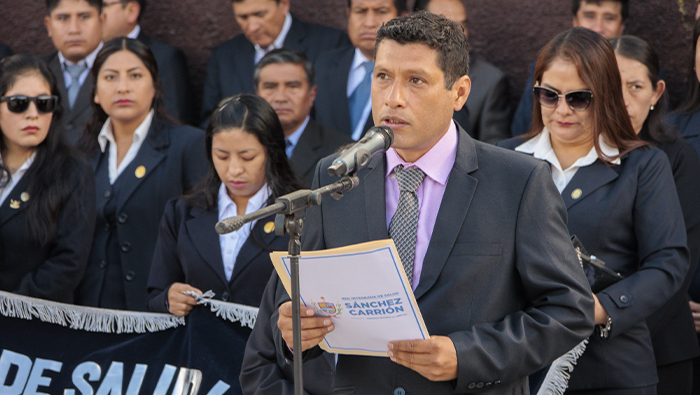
269	227
14	204
140	172
24	196
576	193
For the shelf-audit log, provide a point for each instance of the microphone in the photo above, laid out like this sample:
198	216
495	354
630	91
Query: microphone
377	140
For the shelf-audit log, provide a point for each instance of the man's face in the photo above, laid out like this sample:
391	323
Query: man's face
409	96
285	87
119	19
75	27
604	18
261	20
365	17
452	9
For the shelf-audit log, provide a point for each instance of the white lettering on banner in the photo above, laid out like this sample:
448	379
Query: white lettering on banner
92	370
112	383
137	379
24	366
36	379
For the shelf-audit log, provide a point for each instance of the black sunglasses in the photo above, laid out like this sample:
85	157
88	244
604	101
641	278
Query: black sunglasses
576	100
19	104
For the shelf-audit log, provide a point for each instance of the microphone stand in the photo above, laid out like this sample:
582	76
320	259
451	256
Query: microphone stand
291	210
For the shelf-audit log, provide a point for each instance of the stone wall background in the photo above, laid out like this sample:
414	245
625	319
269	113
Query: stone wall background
507	33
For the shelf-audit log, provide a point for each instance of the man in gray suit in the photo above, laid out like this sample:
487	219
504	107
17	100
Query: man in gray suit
285	79
75	28
489	101
491	265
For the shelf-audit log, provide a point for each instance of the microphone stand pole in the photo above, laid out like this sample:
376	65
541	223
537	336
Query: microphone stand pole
291	210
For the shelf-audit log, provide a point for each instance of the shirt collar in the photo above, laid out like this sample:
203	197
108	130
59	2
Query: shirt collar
256	201
89	60
358	60
107	133
279	41
436	163
135	33
294	137
540	147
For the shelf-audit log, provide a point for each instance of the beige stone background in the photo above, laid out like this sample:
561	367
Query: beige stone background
507	33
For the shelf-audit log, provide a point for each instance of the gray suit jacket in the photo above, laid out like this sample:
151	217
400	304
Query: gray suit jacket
500	277
315	143
74	119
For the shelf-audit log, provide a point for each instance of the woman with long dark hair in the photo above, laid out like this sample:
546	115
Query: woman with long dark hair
47	196
141	159
672	331
621	201
248	170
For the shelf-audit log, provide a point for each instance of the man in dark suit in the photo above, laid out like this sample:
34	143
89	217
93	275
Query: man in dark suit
266	25
121	18
75	28
605	17
489	101
5	51
285	79
343	80
493	271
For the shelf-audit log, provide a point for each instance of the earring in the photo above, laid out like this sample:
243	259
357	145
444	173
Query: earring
652	107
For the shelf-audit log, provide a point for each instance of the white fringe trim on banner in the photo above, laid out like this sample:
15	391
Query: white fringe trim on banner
233	312
557	379
89	319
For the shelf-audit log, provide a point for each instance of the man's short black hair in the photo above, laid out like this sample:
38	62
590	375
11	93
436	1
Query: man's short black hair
52	4
285	56
400	6
624	6
240	1
438	33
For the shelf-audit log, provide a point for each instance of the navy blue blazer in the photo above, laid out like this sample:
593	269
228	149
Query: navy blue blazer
488	105
53	271
315	143
629	216
500	276
188	251
172	70
231	64
174	160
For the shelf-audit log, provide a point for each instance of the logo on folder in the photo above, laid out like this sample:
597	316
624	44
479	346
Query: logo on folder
326	308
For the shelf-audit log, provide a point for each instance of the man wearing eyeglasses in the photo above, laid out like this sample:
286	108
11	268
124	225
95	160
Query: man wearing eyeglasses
75	28
122	18
605	17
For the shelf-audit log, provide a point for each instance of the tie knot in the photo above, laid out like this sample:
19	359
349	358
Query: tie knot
75	69
410	179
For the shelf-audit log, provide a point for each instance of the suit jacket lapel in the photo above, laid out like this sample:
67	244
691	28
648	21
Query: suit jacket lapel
374	181
586	180
249	250
151	153
692	129
13	204
244	67
201	230
82	101
55	66
453	210
296	36
339	86
303	156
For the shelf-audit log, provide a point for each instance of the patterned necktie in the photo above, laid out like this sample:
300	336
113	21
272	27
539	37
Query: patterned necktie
404	223
74	70
358	98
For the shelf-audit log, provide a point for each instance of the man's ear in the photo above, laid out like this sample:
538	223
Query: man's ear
47	23
133	10
460	91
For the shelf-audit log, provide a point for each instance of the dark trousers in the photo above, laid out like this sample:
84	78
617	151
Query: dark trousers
675	378
650	390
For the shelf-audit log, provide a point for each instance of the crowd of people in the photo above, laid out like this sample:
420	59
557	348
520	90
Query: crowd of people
111	186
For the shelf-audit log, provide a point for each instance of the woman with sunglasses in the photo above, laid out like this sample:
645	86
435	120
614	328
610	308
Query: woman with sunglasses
672	331
47	196
621	201
141	159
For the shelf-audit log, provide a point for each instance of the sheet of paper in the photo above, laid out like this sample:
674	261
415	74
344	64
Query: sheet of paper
363	289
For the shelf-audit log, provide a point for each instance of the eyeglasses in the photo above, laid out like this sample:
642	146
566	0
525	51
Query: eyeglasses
576	100
19	104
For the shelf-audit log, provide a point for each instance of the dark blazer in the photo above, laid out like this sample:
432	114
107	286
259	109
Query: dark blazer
172	70
629	216
174	159
53	271
231	64
488	103
500	248
188	251
73	119
315	143
5	51
689	127
331	107
522	118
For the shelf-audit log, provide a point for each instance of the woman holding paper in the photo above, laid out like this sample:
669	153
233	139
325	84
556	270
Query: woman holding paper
248	171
